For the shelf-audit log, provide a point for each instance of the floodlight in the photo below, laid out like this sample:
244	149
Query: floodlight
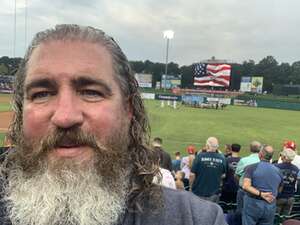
169	34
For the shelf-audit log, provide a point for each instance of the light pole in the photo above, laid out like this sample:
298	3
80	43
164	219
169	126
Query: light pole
26	19
168	34
15	29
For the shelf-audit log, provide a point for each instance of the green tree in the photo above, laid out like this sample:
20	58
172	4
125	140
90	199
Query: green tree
248	68
3	69
137	66
284	74
267	68
295	74
187	79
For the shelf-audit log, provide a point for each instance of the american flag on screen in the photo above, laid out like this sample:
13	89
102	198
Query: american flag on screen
217	75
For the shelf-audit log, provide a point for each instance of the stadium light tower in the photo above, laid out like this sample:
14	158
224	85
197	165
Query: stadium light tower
15	29
168	34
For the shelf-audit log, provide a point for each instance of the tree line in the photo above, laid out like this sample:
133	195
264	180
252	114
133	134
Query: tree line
269	68
273	72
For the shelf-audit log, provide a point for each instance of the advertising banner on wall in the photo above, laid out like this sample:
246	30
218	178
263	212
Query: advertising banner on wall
168	97
144	79
245	84
148	95
192	99
170	81
252	84
225	101
257	84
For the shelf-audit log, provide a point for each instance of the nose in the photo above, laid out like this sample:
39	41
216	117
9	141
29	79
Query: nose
67	112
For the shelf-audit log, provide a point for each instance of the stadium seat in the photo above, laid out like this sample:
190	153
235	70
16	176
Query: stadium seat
297	198
227	207
278	219
296	208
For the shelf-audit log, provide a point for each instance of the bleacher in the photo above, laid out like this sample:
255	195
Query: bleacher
6	84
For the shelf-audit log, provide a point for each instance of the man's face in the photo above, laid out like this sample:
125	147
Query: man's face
71	85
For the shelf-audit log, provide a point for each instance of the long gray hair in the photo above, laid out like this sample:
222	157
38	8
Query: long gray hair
145	165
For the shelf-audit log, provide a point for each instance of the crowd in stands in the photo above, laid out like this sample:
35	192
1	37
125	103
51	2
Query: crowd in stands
6	83
258	186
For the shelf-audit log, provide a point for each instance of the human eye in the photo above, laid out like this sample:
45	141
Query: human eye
40	96
91	94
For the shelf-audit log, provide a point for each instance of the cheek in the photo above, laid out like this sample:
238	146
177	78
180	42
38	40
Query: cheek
106	121
35	123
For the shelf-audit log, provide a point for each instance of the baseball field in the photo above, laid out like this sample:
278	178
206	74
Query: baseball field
184	125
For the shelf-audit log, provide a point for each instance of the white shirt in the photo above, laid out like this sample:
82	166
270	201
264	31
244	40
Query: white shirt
167	179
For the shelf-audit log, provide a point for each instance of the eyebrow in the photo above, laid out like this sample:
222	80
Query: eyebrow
40	83
84	81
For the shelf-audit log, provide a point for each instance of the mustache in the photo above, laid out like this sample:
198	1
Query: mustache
69	137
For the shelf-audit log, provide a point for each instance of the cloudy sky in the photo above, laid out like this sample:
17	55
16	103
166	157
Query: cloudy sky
235	30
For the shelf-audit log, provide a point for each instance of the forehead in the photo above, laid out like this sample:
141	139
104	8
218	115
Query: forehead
70	58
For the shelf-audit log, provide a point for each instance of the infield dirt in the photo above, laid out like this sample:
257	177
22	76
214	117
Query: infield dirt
5	117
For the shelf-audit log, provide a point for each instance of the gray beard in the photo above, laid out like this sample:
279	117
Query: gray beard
40	191
79	197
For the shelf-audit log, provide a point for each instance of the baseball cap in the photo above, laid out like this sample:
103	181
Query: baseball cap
191	149
289	144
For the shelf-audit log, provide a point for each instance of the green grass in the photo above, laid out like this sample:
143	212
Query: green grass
235	124
1	139
4	107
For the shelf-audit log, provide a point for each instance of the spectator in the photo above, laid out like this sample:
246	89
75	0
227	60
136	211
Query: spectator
261	183
165	160
80	133
179	180
285	198
240	171
167	179
207	170
230	185
227	150
176	162
187	161
291	145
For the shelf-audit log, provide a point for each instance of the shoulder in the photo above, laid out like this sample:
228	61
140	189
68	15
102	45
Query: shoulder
243	160
201	154
185	158
272	166
185	206
179	207
250	169
295	168
252	166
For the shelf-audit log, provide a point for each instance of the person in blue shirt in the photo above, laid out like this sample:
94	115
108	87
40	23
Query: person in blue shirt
261	183
176	162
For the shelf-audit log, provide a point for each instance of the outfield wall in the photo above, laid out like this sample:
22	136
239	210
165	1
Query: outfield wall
278	104
268	103
197	99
